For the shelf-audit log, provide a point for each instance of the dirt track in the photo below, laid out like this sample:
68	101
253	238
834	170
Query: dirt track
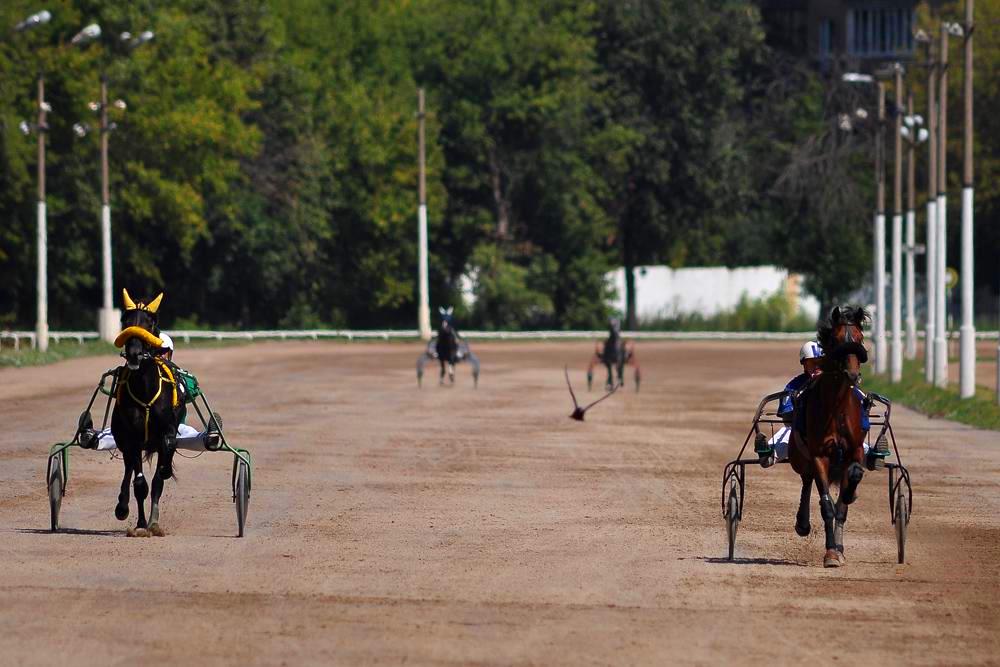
452	526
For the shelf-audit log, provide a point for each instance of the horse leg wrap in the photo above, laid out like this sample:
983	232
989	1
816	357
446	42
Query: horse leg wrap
140	488
829	514
826	508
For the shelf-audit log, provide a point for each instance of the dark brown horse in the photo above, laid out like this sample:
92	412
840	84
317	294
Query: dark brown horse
144	421
828	448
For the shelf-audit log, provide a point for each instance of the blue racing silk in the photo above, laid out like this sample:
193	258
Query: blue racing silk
785	407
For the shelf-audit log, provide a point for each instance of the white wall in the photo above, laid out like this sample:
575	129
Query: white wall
663	292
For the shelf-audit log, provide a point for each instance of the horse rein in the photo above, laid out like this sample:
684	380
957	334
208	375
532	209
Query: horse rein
161	368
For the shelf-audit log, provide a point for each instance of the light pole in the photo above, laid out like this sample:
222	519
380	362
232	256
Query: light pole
41	127
424	310
931	257
879	232
896	354
108	316
914	134
967	354
941	221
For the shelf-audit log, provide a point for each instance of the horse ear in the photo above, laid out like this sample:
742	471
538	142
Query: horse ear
441	310
451	310
155	303
129	303
835	315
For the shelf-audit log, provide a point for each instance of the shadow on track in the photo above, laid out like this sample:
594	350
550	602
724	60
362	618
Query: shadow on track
70	531
754	561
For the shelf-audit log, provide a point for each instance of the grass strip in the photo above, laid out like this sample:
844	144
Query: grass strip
980	411
70	349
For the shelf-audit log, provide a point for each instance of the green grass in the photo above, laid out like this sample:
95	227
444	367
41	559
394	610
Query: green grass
67	349
980	411
70	349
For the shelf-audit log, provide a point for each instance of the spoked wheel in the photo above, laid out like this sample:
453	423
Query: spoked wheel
241	494
732	516
55	483
901	518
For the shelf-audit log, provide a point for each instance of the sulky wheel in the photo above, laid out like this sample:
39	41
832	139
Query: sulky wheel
56	489
241	494
732	516
900	520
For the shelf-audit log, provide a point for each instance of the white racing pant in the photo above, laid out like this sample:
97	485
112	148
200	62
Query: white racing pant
779	441
187	438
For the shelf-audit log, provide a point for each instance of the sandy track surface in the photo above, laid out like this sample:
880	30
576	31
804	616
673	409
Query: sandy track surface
452	526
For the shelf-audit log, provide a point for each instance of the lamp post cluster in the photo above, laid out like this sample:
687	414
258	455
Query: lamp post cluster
914	129
107	316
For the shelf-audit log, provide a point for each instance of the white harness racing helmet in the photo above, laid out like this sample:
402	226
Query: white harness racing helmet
168	342
810	350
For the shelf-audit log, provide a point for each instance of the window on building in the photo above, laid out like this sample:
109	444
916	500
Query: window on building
825	39
879	32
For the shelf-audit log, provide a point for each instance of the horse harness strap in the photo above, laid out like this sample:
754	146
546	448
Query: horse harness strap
164	375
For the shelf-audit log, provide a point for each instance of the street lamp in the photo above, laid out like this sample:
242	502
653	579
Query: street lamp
931	232
40	126
941	218
108	316
914	133
879	233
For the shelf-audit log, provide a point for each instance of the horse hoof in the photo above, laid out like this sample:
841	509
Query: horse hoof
137	532
121	512
156	531
833	558
802	531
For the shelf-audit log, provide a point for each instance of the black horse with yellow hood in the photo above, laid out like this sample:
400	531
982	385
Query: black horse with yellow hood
146	414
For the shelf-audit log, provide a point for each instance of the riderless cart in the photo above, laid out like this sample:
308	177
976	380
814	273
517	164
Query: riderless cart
765	423
57	471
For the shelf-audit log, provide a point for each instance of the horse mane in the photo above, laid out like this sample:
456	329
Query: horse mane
855	315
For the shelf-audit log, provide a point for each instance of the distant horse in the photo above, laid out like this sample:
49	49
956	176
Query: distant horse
831	449
614	353
447	344
144	421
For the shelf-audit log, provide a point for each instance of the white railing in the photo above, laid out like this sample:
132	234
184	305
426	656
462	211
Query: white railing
412	334
55	336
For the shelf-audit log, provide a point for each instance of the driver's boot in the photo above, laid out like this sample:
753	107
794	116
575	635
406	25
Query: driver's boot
764	450
876	456
88	435
213	433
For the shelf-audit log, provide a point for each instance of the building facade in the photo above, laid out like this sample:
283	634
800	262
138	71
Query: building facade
856	35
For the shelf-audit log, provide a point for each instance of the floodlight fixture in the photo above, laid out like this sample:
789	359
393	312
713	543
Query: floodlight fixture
88	34
33	21
857	77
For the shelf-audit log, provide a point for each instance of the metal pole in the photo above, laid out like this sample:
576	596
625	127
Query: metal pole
42	320
911	234
108	317
879	254
896	354
967	354
931	256
940	328
424	311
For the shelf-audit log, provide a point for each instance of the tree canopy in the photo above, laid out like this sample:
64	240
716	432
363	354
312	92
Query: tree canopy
264	173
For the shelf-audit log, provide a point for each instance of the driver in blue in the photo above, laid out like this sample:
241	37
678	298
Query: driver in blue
776	449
